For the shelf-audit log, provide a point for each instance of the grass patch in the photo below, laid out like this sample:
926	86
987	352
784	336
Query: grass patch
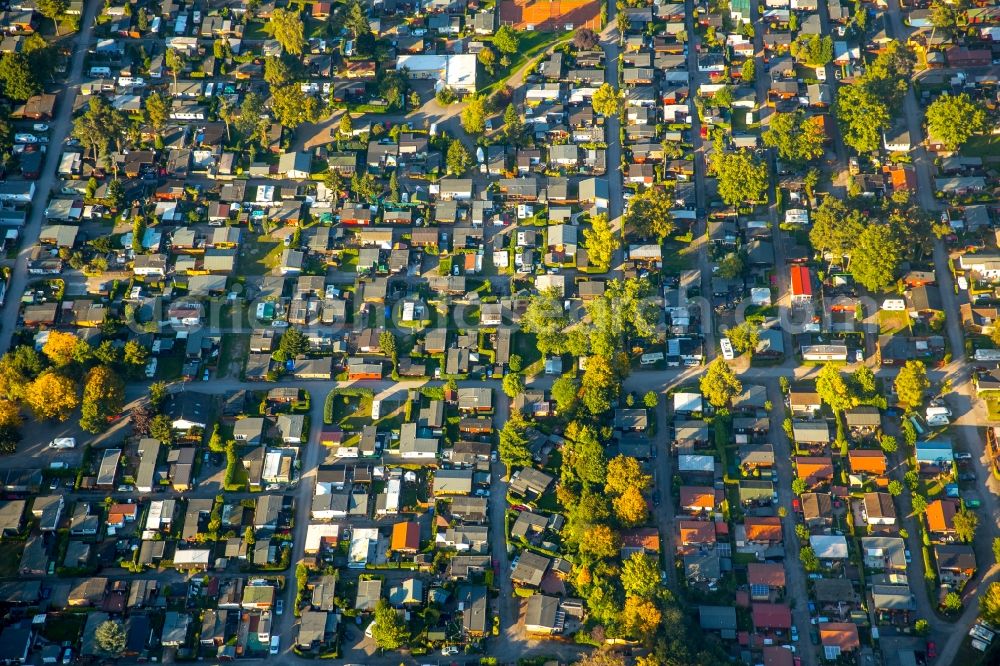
993	408
526	346
260	256
983	145
64	628
10	557
891	323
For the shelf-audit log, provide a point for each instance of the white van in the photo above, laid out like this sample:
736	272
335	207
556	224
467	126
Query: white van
100	72
727	349
937	415
62	443
275	644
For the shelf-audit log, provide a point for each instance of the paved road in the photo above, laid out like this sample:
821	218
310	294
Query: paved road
796	588
61	127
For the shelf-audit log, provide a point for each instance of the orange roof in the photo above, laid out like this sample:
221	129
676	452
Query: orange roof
696	531
647	538
405	536
870	460
814	469
903	178
801	282
941	515
778	655
766	573
763	529
702	497
550	14
771	616
841	634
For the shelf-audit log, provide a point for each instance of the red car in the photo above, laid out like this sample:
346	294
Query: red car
931	650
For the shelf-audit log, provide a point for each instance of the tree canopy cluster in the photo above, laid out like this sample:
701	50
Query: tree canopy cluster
865	108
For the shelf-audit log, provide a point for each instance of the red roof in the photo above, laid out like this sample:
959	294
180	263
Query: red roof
772	616
801	283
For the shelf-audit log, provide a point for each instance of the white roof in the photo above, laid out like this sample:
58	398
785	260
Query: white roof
829	546
455	71
193	556
315	534
689	463
687	402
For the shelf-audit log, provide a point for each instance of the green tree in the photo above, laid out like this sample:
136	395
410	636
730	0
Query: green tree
356	20
607	100
277	71
157	394
835	228
919	504
730	266
813	50
649	213
723	97
293	343
799	486
601	242
458	159
863	116
389	631
103	397
506	39
742	177
651	399
346	127
547	320
798	139
394	194
157	110
996	549
366	186
895	488
888	443
474	115
513	444
944	17
53	9
875	257
834	390
292	107
18	78
161	428
952	603
215	443
911	384
966	524
749	71
138	232
719	384
641	576
110	638
487	58
565	391
953	119
810	562
513	384
512	126
99	126
583	455
744	336
287	28
135	355
175	61
989	604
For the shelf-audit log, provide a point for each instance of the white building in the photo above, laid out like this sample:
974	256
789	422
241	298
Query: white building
455	71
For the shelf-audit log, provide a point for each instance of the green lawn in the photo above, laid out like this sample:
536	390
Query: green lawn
526	346
10	557
890	323
62	628
983	145
531	44
260	256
